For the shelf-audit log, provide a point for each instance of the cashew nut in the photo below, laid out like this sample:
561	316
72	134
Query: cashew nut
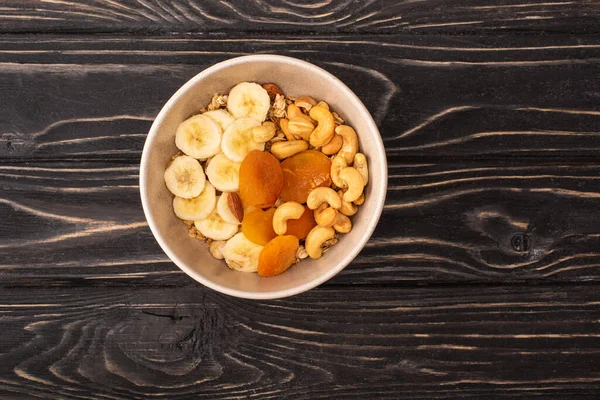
300	127
283	123
288	148
293	111
360	163
354	182
264	133
350	146
288	210
347	208
337	165
360	200
325	215
342	224
316	238
325	126
334	145
322	195
305	102
215	249
323	104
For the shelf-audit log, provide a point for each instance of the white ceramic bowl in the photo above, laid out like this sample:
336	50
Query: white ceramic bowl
295	77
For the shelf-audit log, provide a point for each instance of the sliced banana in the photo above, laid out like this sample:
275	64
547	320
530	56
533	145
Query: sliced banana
198	207
215	228
238	139
223	173
241	254
185	177
221	117
249	100
199	137
224	210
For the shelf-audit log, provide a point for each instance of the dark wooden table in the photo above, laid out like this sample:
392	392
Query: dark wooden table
481	281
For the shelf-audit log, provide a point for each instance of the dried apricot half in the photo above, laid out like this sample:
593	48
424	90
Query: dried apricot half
258	226
301	226
261	179
278	255
302	173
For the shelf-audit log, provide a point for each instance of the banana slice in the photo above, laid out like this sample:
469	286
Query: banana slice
198	207
249	100
199	137
223	173
241	254
185	177
215	228
224	210
238	139
221	117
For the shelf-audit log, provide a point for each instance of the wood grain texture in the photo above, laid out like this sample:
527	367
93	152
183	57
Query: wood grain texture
123	343
363	16
489	113
443	222
433	97
486	138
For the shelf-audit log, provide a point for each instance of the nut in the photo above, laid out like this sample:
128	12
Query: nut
354	182
300	127
283	124
360	200
360	163
322	195
325	215
287	149
323	104
342	224
317	238
264	133
337	165
325	126
350	145
294	111
334	145
273	90
235	205
305	102
215	249
347	208
288	210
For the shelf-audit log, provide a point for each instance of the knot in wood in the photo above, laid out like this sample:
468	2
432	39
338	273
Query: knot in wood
521	242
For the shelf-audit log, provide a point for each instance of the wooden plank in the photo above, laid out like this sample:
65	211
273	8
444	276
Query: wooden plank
429	16
468	342
443	222
431	96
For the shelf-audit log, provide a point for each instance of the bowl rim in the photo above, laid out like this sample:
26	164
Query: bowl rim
342	263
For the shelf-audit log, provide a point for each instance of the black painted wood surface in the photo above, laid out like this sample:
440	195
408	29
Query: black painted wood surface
373	342
480	282
351	16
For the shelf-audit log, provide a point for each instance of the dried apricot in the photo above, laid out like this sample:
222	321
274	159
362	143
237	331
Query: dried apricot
261	179
258	226
301	226
302	173
278	255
